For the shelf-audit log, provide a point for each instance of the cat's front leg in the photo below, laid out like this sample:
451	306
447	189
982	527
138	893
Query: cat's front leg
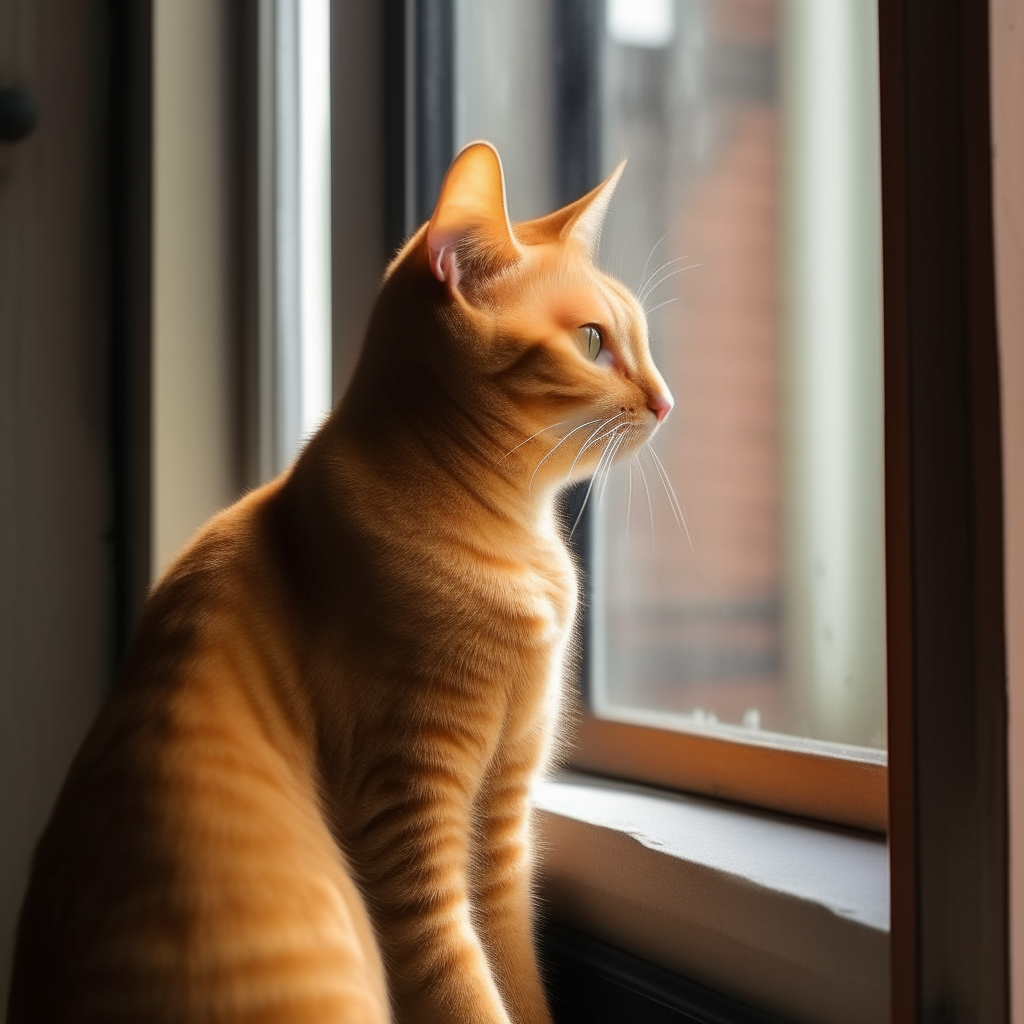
412	856
503	887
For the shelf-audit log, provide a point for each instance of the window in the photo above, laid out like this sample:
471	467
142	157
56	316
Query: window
294	227
946	718
943	531
736	595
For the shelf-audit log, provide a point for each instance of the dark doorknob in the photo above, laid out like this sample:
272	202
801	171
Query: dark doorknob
18	115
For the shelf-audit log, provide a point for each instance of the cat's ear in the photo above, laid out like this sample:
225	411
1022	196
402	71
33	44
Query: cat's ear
581	220
469	233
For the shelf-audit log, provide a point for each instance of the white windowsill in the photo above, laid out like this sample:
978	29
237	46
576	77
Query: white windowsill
783	913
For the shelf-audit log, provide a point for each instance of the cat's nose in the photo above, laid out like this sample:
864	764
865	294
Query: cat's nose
661	405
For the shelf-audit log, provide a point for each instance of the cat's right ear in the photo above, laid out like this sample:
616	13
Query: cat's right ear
469	234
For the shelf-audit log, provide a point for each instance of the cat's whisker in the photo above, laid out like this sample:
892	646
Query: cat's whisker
650	504
647	262
590	486
668	263
667	302
601	475
670	491
612	436
592	440
652	283
657	270
602	463
529	439
648	453
612	454
666	277
561	442
629	493
620	440
622	251
642	291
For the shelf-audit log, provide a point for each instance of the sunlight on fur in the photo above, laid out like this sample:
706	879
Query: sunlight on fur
307	798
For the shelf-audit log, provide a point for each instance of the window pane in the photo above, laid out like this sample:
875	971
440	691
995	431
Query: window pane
295	216
748	222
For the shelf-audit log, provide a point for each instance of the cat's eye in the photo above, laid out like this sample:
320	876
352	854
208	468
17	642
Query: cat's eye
590	340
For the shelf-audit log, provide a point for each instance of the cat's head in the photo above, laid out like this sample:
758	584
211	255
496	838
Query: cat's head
543	360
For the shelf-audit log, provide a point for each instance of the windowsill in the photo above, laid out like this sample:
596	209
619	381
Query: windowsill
780	912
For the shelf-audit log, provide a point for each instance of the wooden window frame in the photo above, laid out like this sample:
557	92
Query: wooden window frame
944	551
847	790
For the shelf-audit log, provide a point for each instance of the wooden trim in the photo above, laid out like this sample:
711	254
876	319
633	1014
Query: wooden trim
814	785
947	713
1007	65
899	642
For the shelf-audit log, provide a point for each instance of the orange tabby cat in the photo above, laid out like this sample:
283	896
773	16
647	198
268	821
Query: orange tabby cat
308	799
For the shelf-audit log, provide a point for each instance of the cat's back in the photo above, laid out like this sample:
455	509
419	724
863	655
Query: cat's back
187	872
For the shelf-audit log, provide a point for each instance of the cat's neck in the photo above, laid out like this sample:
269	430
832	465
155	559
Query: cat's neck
417	431
427	466
425	445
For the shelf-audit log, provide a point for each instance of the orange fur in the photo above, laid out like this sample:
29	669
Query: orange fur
308	797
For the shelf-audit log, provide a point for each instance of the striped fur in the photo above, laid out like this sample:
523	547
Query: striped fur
307	799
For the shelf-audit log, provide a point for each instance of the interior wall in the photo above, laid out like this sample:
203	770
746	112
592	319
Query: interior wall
197	361
56	507
203	310
1007	41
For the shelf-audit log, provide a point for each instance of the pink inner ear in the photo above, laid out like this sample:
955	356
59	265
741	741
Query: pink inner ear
444	265
442	242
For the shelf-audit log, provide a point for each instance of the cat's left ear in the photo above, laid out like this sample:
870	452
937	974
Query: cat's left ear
581	220
469	233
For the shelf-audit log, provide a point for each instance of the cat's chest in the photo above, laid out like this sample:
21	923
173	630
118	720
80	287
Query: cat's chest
521	600
542	593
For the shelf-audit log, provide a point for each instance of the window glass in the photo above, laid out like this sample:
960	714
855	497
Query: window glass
295	224
736	577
